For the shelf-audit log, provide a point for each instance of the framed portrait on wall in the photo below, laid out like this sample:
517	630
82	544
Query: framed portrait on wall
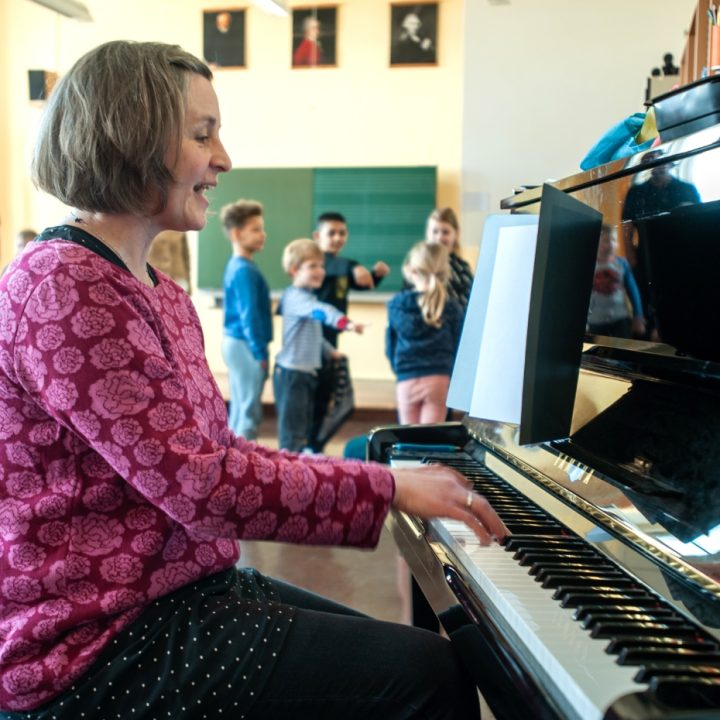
224	38
413	33
314	36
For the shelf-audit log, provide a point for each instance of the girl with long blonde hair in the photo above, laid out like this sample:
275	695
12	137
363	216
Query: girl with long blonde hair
424	326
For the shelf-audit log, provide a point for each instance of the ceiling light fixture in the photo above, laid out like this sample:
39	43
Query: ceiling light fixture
69	8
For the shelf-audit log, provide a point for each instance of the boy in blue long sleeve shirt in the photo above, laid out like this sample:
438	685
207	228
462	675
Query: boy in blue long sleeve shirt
248	320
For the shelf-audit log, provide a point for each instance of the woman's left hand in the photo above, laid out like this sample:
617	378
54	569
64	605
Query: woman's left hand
437	491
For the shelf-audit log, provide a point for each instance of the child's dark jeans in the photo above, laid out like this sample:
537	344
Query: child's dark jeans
294	403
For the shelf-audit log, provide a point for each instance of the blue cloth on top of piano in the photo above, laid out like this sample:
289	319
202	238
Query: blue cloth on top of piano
618	142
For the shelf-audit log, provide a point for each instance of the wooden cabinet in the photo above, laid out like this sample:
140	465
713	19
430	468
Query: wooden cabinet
696	55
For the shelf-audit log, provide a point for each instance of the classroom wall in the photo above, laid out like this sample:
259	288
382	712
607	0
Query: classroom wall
520	92
360	113
544	80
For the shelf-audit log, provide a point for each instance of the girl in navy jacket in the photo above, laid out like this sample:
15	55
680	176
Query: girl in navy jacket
423	332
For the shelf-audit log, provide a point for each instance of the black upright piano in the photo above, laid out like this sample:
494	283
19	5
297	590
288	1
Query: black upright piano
606	601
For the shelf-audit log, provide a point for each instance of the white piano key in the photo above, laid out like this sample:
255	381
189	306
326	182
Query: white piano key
574	668
568	663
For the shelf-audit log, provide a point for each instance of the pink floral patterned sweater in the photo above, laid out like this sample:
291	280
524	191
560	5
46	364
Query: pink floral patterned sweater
119	478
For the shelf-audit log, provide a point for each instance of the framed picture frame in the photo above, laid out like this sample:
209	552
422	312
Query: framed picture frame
314	36
413	33
224	38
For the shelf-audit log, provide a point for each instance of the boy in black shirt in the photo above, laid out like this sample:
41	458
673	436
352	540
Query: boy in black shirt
341	273
341	276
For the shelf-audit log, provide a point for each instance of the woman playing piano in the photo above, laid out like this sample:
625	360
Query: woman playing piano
123	490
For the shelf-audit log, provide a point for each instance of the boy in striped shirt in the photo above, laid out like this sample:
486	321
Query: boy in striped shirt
303	345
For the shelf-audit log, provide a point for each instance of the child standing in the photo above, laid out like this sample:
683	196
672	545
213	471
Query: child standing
423	332
613	285
248	321
341	273
303	348
443	228
341	276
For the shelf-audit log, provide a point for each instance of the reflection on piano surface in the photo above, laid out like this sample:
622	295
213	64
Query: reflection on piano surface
605	603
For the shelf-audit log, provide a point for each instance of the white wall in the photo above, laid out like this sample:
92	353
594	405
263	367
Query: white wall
545	78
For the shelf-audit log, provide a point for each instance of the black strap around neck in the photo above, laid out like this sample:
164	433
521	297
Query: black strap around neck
84	238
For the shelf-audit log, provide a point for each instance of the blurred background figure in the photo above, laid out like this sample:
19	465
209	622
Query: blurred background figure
169	253
613	286
443	228
23	238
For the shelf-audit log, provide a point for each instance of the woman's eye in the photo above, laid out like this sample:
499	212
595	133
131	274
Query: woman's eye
202	138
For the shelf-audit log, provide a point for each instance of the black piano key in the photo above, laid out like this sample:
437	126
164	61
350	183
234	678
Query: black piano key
619	643
522	540
675	655
570	593
630	644
558	550
612	629
646	673
503	501
606	597
573	568
585	583
538	528
530	556
518	516
568	583
591	609
576	571
687	693
589	621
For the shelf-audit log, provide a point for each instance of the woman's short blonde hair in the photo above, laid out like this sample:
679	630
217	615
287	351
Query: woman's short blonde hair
298	251
109	124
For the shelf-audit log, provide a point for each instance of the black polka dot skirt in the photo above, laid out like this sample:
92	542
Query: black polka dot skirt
204	651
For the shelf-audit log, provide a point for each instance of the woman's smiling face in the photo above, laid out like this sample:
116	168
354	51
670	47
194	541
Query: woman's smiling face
201	159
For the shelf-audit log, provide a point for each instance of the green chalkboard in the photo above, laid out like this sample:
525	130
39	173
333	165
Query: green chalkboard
386	209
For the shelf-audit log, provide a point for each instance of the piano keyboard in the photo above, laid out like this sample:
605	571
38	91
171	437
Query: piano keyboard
590	632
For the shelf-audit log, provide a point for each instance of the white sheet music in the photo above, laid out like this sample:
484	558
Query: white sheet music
495	331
